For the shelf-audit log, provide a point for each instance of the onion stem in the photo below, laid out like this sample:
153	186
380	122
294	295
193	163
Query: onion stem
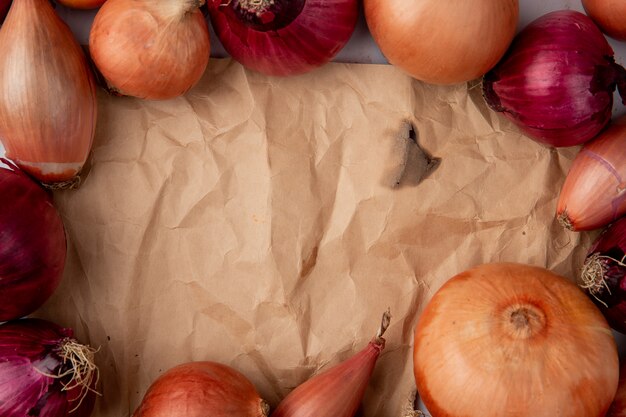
565	221
386	320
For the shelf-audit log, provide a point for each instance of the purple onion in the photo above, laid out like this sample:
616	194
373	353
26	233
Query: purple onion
557	79
32	245
283	37
44	371
603	275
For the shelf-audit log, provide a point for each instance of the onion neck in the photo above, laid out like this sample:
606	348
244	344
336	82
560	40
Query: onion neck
607	77
176	9
263	15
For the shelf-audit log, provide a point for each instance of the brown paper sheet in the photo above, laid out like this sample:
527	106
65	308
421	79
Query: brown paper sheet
253	222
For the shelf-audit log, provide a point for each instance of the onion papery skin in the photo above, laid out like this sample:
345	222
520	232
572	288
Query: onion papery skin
618	408
150	49
201	389
4	8
592	195
32	245
30	356
82	4
514	340
300	36
443	42
338	392
48	106
603	276
557	79
608	15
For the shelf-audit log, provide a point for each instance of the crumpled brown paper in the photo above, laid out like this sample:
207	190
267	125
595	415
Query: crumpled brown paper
251	223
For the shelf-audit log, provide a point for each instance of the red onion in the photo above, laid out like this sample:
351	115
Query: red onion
283	37
32	245
44	371
4	9
603	275
557	79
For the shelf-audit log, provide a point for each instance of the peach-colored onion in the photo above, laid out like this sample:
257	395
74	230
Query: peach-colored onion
514	340
202	389
618	407
338	391
593	194
150	49
609	16
47	93
443	42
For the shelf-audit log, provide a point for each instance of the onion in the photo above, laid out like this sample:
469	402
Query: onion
514	340
556	82
608	15
604	272
199	389
47	94
283	37
44	371
338	391
592	195
82	4
4	8
32	245
150	49
443	42
618	408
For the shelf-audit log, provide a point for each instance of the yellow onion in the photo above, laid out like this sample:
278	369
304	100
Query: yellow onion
618	408
514	340
593	195
202	389
609	16
443	42
150	49
47	94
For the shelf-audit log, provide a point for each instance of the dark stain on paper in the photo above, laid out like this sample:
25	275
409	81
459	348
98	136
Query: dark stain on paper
408	163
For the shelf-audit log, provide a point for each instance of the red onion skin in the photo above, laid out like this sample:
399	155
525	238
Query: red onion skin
610	295
557	79
314	37
27	350
32	245
335	393
201	389
4	9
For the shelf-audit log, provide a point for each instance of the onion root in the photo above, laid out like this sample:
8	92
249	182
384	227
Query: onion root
565	221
